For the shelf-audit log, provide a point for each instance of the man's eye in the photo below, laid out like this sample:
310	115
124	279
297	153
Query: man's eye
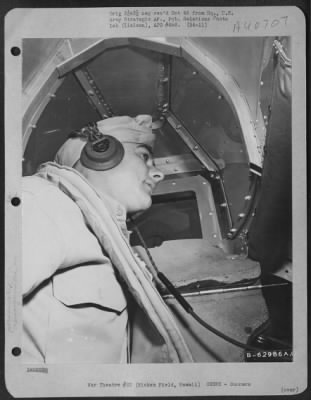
145	157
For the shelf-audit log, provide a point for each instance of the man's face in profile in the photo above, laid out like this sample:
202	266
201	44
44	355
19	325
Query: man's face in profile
134	179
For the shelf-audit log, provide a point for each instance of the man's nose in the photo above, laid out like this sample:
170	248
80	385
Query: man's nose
156	174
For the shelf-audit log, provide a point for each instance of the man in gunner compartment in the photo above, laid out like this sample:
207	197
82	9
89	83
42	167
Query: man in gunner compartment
74	230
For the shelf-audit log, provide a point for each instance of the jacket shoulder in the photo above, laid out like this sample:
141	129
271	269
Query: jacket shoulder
45	197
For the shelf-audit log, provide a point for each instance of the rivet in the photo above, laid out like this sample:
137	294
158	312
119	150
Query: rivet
210	213
233	230
241	215
52	95
167	161
248	197
91	93
204	183
214	235
173	183
261	83
33	126
223	205
219	97
194	73
195	148
178	126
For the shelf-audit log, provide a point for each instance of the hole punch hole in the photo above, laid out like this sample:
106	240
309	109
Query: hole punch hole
16	201
15	51
16	351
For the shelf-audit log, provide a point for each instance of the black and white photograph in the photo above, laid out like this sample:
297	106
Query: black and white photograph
155	202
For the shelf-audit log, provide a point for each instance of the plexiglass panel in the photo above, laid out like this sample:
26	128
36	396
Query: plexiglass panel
128	78
172	216
69	110
207	115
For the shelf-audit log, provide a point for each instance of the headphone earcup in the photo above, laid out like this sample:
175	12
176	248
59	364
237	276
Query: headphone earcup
103	154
